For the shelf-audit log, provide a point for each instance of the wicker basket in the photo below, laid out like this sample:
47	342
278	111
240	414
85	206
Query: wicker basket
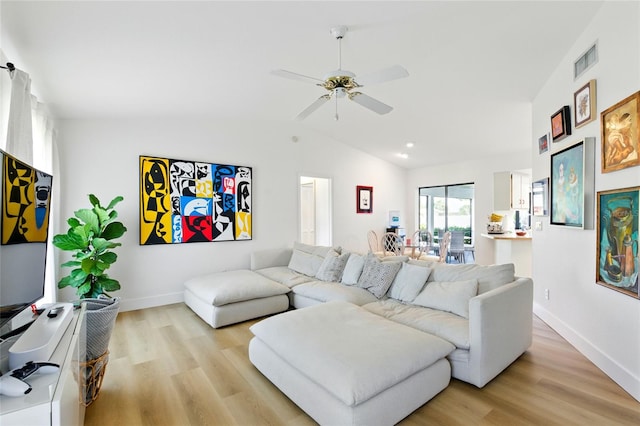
93	374
100	319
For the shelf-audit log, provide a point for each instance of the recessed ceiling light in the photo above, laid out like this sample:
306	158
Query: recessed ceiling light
403	155
409	144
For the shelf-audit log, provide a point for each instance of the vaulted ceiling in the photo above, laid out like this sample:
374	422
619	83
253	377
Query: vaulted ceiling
474	66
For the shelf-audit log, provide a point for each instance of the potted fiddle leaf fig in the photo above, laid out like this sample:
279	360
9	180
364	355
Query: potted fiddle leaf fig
91	237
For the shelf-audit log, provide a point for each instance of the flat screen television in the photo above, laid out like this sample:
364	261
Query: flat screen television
24	225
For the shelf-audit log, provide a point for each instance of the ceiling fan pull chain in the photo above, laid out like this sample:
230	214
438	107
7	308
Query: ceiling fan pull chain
336	116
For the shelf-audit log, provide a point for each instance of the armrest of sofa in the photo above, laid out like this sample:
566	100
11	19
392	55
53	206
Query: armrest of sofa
261	259
500	328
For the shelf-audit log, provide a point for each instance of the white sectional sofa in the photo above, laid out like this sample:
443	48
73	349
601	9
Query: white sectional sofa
484	311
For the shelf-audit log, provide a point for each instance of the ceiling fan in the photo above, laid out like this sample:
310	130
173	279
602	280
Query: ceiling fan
342	83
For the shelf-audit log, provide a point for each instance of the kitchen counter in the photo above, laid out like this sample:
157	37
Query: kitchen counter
507	236
510	248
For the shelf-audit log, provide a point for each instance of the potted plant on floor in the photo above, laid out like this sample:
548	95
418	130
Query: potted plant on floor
91	238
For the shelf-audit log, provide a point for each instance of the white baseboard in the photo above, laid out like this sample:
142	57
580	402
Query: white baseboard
151	302
610	367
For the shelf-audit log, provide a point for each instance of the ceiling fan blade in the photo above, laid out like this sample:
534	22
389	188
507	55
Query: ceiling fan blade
296	76
370	103
392	73
314	106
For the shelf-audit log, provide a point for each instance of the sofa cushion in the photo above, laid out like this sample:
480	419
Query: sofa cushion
284	275
377	276
328	291
489	277
222	288
307	259
332	266
409	282
353	269
448	296
357	366
448	326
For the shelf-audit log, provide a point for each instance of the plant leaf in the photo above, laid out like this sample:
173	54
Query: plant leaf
113	230
90	218
108	284
94	200
73	222
108	257
71	263
114	202
70	241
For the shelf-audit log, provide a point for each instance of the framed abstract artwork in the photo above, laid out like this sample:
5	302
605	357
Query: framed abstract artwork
571	184
364	199
561	124
620	127
584	104
543	143
192	201
617	244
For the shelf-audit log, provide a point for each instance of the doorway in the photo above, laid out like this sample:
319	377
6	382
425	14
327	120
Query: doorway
314	219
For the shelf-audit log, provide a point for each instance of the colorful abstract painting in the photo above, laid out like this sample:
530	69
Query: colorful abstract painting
190	201
25	202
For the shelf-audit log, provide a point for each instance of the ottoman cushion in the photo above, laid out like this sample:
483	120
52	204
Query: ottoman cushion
350	352
227	287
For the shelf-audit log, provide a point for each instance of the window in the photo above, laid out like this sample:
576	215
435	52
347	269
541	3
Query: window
447	208
585	61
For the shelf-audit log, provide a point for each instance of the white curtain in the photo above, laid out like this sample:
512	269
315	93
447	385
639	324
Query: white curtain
31	137
19	127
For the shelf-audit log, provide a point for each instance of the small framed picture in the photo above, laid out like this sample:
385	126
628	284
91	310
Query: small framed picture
543	143
584	104
620	126
364	199
540	197
561	124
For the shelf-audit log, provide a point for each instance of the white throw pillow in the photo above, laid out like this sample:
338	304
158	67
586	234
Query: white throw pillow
489	276
332	267
449	296
307	259
409	282
377	276
353	269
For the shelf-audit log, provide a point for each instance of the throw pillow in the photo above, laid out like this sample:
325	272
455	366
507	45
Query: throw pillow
332	267
489	276
377	276
409	282
449	296
353	269
306	259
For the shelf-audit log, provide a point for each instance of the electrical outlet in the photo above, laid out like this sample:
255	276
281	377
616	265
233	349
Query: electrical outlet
538	226
546	293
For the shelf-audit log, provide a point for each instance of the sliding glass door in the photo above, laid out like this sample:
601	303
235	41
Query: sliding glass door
447	208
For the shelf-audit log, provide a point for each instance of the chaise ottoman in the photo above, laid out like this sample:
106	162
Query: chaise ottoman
224	298
344	365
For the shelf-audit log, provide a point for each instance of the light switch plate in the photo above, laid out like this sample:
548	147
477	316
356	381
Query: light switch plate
538	226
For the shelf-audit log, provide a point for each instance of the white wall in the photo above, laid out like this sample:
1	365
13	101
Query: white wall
603	324
480	172
101	157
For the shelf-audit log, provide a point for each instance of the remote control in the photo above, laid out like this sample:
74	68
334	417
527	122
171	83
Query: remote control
13	384
53	312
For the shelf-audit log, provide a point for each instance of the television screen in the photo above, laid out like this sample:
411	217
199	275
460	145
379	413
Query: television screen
24	223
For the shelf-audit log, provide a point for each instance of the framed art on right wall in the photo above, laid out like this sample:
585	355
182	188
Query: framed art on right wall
617	245
620	126
572	186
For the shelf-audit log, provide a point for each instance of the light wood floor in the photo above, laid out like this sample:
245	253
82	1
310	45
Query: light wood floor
167	367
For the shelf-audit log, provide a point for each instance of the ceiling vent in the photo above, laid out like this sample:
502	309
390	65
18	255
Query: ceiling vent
585	61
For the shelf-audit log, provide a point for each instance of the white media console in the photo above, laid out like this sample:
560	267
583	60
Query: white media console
56	398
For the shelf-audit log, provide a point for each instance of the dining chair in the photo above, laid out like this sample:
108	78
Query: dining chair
443	249
457	246
420	244
374	243
392	244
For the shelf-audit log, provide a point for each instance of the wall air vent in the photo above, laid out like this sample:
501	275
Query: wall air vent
585	61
